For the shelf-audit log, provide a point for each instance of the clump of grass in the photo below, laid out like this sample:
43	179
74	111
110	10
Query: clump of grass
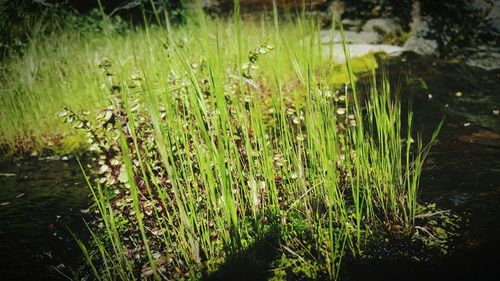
221	144
222	157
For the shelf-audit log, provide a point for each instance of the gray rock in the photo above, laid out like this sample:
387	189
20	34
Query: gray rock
351	37
421	45
483	6
359	44
494	17
386	25
351	24
359	50
419	28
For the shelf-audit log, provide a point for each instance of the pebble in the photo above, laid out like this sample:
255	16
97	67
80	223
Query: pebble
458	94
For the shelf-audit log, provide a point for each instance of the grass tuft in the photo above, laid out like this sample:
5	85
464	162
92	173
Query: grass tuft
221	143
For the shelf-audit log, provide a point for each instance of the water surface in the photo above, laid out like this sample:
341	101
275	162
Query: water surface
40	198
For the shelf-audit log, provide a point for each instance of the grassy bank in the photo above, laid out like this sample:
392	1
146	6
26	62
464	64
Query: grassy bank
66	69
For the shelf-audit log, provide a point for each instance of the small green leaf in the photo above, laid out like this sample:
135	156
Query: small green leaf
123	178
108	115
62	114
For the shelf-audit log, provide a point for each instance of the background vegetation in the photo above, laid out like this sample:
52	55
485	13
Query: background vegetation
60	66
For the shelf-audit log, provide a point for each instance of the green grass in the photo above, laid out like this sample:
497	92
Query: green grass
63	70
225	145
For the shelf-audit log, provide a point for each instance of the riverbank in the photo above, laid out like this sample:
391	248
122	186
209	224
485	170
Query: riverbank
213	160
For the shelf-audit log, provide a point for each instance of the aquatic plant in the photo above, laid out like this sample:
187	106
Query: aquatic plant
230	163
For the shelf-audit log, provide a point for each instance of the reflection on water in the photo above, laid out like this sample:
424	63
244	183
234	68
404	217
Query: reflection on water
38	200
462	172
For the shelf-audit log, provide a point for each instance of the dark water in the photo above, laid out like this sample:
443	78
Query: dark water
45	197
462	172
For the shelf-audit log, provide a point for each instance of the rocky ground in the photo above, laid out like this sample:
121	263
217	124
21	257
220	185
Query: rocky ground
467	30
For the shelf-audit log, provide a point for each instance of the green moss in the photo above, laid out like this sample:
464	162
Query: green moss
70	143
360	65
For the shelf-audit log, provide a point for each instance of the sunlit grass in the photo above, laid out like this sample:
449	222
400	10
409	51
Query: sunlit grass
225	150
219	135
63	69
